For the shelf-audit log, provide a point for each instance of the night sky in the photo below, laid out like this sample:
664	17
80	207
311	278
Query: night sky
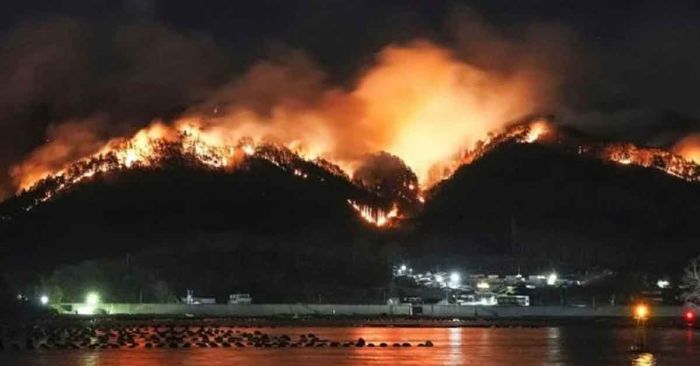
626	69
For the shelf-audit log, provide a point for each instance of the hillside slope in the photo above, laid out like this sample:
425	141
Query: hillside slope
539	202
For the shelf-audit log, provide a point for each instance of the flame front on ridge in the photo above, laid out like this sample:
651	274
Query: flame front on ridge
149	146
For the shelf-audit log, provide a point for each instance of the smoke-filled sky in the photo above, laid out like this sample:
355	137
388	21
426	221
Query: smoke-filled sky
77	73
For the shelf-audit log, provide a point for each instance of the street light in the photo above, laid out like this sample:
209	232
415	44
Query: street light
44	299
455	278
92	298
641	312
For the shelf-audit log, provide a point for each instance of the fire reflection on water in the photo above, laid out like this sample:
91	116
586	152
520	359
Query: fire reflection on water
645	359
482	346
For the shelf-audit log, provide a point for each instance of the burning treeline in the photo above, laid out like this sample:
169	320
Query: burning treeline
417	102
383	174
417	109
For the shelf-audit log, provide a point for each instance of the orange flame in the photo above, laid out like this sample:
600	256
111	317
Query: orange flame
521	133
418	102
374	216
689	148
629	154
536	130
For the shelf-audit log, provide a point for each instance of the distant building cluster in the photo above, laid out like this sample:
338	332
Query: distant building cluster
480	288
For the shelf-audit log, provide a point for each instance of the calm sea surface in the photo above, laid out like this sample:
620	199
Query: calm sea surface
453	346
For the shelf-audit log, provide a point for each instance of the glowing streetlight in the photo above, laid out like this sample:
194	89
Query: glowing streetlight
641	312
92	298
403	268
483	285
455	278
43	299
663	283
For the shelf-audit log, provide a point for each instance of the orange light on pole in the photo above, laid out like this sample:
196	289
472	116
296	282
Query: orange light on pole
641	312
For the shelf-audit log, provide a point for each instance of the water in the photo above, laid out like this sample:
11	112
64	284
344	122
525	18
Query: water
453	346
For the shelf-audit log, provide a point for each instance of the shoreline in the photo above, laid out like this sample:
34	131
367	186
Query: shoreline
349	322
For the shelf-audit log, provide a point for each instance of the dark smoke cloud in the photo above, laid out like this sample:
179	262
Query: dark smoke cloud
624	71
640	72
550	49
548	52
644	84
286	76
116	77
44	75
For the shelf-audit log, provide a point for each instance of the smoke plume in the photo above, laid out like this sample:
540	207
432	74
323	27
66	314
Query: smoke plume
69	83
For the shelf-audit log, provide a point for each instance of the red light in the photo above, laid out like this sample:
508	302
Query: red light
689	316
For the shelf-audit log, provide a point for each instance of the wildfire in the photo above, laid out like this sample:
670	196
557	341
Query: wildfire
147	148
689	148
629	154
520	133
150	146
248	149
375	216
418	102
683	165
535	131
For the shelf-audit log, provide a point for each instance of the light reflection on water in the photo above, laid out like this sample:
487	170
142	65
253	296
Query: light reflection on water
454	352
645	359
568	346
553	345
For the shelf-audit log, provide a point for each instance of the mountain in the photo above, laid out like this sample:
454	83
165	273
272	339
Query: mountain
265	227
288	229
541	202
